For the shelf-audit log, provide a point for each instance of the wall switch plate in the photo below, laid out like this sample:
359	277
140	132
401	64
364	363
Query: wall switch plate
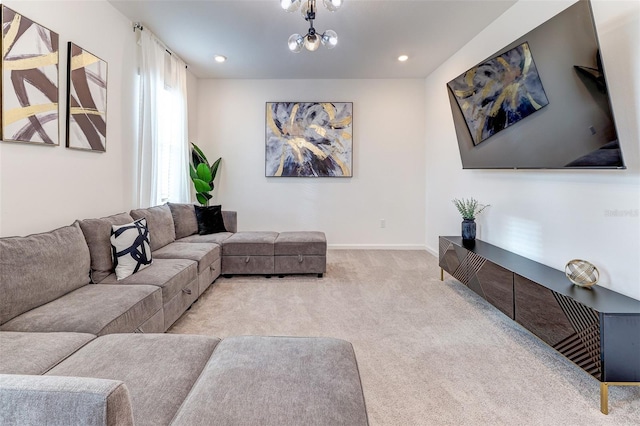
383	223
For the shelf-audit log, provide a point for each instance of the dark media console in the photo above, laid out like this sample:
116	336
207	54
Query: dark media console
598	329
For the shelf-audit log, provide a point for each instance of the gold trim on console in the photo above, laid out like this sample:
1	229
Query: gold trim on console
604	393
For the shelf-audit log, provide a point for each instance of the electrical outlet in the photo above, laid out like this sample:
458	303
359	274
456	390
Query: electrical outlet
383	223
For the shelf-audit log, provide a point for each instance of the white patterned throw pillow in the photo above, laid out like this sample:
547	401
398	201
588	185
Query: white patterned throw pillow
130	246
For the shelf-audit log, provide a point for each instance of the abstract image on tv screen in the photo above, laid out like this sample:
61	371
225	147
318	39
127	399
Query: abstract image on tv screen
499	92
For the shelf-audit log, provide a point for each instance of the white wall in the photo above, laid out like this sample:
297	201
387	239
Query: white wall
388	169
44	187
548	216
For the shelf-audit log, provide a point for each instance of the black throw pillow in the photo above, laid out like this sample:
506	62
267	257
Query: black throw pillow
210	220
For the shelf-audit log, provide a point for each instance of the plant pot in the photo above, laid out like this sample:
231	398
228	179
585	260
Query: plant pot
468	229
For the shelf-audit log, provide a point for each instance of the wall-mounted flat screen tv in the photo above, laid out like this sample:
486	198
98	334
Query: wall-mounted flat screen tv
540	103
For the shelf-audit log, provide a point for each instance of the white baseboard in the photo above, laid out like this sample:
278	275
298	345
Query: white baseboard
431	251
377	247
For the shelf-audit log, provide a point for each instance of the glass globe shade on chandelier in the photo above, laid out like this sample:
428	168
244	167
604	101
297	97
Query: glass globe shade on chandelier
311	40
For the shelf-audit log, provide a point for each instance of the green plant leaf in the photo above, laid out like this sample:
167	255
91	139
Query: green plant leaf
469	208
202	199
192	172
201	186
199	152
195	159
204	173
214	168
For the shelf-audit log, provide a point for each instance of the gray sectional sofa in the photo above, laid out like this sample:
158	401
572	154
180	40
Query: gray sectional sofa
78	346
57	292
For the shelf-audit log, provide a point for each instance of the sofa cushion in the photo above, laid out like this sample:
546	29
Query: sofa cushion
131	250
301	243
44	400
37	269
160	222
97	232
277	381
171	275
209	220
209	238
184	219
159	370
230	220
203	253
249	243
37	353
95	309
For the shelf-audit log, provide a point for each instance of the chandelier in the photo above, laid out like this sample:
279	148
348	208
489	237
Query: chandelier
311	41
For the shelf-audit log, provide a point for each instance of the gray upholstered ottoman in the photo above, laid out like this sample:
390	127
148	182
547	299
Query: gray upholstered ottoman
301	253
277	381
248	253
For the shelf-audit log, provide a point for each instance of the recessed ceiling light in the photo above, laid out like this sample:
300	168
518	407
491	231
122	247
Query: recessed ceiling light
403	58
220	58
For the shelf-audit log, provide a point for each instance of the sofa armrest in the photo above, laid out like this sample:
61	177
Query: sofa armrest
230	219
37	400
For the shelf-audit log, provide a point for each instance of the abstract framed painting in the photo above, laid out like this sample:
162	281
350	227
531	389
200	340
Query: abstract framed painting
86	100
499	92
30	81
309	139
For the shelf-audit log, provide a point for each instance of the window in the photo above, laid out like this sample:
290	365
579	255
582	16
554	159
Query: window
163	150
171	146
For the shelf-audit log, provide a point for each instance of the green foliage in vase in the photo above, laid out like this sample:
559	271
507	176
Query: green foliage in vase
202	174
469	208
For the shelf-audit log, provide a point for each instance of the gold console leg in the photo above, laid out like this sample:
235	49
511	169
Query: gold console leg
604	398
441	274
604	393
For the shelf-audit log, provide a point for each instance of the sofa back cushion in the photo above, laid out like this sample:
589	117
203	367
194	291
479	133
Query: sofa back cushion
160	223
184	219
39	268
230	220
97	232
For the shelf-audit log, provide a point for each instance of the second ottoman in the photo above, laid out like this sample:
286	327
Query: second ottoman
248	253
301	253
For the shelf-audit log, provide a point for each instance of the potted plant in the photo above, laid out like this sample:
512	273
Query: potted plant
202	174
469	209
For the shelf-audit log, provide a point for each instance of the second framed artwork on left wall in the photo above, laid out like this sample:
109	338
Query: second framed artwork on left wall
86	100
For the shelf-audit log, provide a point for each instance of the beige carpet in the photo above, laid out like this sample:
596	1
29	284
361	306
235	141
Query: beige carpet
429	352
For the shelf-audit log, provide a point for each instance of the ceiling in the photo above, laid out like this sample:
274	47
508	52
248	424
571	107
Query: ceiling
372	34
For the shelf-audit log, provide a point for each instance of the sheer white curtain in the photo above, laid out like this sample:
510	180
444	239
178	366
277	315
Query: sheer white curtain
163	148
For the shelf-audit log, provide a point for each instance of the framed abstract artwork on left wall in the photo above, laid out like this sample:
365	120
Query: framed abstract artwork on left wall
86	101
30	81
